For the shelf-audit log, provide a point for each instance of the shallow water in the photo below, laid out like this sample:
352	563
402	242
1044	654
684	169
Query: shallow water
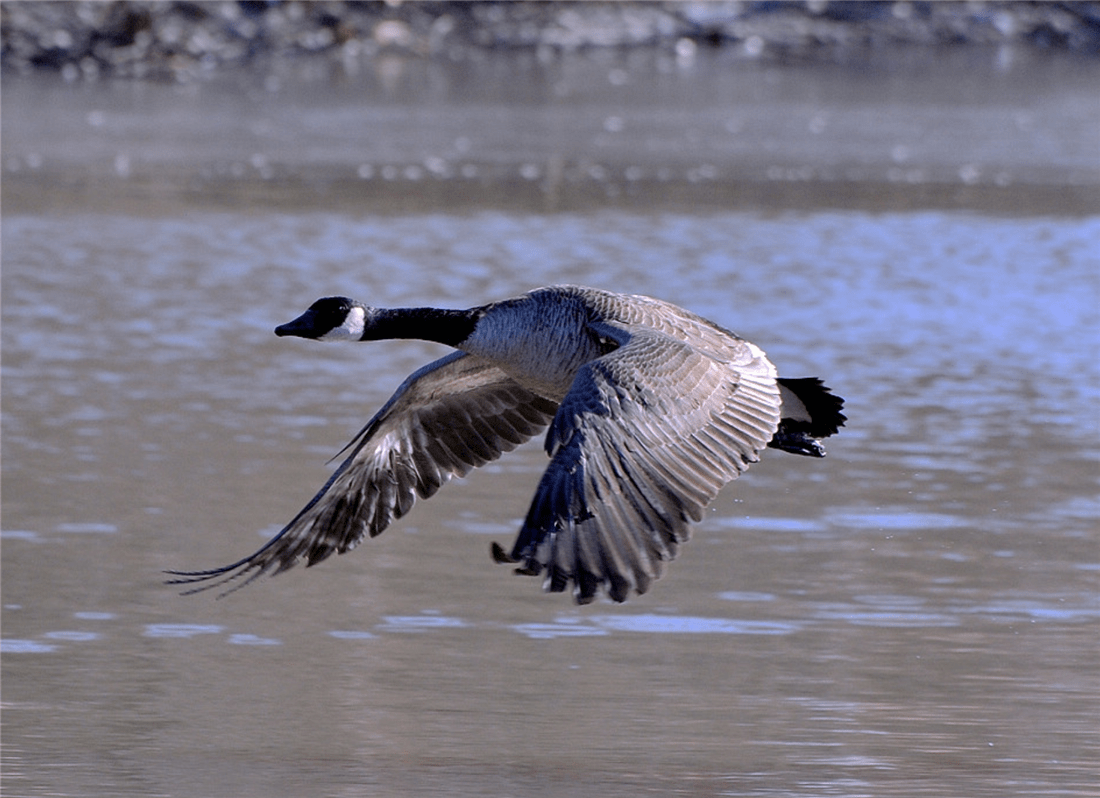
917	614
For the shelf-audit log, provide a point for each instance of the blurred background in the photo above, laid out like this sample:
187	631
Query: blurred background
902	198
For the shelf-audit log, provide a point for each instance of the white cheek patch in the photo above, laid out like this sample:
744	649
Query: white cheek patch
352	328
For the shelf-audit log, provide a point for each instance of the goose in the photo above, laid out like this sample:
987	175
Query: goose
649	410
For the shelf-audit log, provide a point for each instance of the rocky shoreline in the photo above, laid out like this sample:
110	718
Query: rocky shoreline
185	40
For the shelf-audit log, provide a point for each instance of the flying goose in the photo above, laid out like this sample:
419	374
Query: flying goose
651	410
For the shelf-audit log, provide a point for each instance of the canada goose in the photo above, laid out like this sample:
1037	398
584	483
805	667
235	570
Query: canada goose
651	410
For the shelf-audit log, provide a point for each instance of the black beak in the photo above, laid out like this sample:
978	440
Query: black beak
305	326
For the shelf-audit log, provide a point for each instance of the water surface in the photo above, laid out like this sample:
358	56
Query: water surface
917	614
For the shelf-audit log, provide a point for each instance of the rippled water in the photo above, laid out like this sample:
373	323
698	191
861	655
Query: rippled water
918	614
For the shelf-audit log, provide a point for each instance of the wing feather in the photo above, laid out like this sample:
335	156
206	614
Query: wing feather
645	439
448	417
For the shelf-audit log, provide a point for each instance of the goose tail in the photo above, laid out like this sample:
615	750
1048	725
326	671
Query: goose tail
810	412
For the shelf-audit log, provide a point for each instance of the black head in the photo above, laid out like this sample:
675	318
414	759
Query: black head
333	318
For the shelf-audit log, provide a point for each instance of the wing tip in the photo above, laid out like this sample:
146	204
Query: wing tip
499	554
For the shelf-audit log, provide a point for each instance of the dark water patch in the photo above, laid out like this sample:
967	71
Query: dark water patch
1016	136
352	634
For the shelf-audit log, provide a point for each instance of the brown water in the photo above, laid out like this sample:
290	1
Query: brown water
918	614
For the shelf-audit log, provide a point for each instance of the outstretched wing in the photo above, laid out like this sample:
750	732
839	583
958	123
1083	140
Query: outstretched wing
448	417
644	440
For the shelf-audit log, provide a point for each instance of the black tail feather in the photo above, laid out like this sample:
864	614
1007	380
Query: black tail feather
800	436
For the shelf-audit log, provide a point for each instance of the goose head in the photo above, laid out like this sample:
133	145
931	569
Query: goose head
334	318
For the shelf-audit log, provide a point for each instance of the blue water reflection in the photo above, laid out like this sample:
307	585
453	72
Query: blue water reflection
849	613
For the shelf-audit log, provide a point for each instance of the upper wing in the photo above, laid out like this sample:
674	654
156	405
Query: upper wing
644	440
452	415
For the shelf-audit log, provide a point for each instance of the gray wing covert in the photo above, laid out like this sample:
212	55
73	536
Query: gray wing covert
448	417
645	439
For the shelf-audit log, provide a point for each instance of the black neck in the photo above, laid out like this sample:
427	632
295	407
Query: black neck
450	327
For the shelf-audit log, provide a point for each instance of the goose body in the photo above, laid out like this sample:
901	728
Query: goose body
650	410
